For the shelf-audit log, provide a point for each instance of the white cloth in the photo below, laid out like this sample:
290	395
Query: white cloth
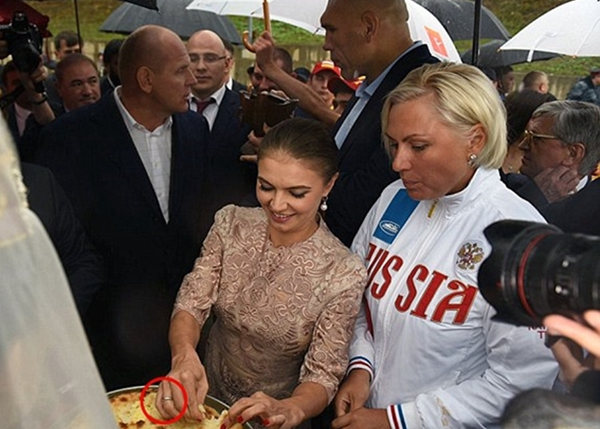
437	357
154	149
49	379
210	112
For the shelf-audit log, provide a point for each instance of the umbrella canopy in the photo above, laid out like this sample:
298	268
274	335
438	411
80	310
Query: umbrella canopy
306	14
171	14
572	28
9	7
491	56
150	4
458	17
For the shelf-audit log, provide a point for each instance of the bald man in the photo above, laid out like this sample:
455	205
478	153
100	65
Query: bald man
231	180
370	38
133	165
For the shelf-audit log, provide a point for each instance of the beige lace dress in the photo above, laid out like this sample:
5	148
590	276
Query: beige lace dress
284	315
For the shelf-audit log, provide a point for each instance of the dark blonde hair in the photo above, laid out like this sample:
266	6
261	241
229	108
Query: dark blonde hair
303	140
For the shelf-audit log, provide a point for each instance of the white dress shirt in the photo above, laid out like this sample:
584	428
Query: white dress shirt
364	93
154	149
210	112
21	114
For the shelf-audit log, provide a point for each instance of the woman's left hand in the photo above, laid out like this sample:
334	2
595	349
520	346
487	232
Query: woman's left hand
270	412
362	418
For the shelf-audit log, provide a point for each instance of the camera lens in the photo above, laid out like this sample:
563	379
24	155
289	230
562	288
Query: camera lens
535	270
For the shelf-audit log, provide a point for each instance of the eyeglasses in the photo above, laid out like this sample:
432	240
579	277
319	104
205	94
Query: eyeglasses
529	136
206	58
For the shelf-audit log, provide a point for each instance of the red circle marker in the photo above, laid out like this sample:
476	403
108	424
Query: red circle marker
154	419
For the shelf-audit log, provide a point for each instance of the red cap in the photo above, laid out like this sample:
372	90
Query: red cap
324	66
338	83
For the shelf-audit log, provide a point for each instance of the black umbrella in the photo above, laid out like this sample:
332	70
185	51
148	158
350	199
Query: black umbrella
171	14
490	56
458	16
150	4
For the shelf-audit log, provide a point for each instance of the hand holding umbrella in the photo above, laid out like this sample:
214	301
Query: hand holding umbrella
267	20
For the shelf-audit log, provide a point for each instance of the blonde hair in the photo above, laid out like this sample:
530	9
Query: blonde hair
464	97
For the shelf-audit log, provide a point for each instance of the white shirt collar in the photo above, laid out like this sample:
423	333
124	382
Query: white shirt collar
130	120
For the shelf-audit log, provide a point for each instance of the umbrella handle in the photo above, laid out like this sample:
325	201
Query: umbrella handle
246	41
267	20
266	16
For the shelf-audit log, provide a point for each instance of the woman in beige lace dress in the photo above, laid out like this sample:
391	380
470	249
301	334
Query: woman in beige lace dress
284	290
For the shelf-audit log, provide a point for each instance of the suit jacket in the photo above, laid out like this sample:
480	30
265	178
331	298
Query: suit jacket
578	213
27	143
93	157
231	180
238	86
365	168
82	264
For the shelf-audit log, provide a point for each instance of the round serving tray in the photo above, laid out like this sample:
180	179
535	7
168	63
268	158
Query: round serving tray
209	400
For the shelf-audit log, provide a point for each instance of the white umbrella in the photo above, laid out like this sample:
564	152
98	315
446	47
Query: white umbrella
306	14
426	27
572	28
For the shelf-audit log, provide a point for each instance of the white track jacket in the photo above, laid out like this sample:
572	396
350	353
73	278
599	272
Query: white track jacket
425	331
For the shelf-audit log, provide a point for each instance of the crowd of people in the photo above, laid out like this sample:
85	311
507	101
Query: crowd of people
321	275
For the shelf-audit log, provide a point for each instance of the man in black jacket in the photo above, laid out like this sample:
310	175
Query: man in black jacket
82	264
371	38
133	166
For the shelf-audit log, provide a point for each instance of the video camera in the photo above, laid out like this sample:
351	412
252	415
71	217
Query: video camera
24	42
535	270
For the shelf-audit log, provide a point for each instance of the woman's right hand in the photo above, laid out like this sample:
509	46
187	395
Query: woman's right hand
187	369
353	392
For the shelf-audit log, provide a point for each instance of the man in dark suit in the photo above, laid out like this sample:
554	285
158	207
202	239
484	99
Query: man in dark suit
133	167
230	179
82	264
110	60
561	149
230	82
372	39
77	83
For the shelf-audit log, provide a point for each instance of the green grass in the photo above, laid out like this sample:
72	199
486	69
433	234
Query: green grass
515	14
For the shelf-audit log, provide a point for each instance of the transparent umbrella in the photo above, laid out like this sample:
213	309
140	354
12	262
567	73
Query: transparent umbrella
572	28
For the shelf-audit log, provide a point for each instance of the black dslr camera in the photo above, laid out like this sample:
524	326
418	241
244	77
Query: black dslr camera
24	42
535	270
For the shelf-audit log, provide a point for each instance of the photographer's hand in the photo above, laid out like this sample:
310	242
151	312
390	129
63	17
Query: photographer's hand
39	105
587	337
569	355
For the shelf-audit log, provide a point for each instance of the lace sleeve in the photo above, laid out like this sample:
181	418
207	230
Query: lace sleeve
327	357
199	289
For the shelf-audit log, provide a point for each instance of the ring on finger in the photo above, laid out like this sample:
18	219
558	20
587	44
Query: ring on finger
167	398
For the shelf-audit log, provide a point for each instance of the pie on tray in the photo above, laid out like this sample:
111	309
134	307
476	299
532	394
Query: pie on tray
129	415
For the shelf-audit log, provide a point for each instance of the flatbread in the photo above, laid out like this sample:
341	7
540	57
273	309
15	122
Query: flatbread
129	415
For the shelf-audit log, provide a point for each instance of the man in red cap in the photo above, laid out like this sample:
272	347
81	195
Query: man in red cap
322	73
319	79
342	91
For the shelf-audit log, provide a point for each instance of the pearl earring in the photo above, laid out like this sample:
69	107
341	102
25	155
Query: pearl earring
323	205
471	161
